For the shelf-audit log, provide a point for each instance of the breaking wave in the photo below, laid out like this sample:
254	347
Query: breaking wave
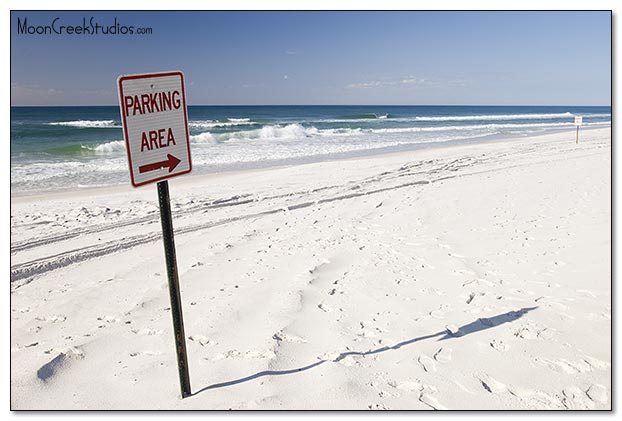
227	122
496	117
87	124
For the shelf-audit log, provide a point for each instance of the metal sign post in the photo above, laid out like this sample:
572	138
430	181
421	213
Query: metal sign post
578	121
173	287
155	128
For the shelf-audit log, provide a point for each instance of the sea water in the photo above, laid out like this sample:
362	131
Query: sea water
58	148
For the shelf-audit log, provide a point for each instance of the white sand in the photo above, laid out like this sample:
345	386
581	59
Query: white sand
329	285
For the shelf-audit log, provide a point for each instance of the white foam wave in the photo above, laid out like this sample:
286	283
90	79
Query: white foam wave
289	131
464	118
205	137
496	117
61	174
358	120
86	124
297	131
112	146
595	115
209	124
492	126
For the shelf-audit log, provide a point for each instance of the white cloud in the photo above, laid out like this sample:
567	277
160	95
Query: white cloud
413	81
409	81
373	84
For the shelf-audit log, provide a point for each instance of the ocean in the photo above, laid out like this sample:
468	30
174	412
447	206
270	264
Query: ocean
60	148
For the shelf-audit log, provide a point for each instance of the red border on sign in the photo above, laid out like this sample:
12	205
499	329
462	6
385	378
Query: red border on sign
125	134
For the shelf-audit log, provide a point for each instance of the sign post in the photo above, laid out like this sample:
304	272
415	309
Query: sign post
578	121
155	128
173	287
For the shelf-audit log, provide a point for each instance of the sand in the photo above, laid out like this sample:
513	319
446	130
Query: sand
464	277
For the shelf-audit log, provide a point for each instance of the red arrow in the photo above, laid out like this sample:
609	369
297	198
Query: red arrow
171	162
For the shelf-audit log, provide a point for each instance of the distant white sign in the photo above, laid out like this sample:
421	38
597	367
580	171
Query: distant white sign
155	126
578	120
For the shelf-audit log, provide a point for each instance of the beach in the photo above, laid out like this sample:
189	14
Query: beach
471	276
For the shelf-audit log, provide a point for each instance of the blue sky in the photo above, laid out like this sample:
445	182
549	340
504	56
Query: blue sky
480	58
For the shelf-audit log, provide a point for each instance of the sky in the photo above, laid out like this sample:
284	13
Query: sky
322	58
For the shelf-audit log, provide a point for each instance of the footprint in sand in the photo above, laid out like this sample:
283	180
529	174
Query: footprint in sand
286	337
474	295
598	393
378	407
521	392
407	385
584	365
546	401
491	385
443	355
382	392
150	332
247	355
431	401
22	310
335	291
479	282
18	347
325	308
108	319
596	363
526	332
329	356
51	319
200	339
562	365
427	363
575	398
499	345
145	354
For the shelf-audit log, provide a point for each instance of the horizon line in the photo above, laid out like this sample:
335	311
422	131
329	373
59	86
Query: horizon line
342	105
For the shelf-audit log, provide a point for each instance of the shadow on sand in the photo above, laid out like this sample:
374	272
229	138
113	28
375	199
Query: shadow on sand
476	326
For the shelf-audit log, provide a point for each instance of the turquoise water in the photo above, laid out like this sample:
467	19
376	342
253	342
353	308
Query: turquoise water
75	147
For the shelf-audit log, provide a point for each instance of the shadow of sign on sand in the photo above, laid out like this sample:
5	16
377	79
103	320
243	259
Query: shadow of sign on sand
476	326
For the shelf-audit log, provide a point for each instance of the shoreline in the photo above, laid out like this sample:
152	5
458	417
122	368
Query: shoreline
355	155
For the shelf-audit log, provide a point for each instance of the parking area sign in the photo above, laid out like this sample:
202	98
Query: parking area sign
155	126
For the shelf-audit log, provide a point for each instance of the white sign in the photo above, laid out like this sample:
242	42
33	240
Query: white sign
155	126
578	120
